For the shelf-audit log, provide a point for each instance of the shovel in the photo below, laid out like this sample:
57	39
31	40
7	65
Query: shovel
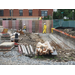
54	52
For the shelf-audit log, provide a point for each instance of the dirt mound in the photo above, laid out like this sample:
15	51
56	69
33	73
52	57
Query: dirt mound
32	39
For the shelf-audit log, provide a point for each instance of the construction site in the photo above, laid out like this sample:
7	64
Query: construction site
37	48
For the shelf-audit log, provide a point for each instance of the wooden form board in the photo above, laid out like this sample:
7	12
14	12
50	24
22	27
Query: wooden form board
40	26
30	26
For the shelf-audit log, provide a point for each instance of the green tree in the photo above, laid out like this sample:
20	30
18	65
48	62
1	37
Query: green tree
66	12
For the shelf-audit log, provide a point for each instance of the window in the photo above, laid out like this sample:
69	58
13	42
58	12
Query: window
11	12
30	12
21	12
43	13
1	12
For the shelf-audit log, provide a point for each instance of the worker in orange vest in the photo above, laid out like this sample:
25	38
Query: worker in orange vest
44	28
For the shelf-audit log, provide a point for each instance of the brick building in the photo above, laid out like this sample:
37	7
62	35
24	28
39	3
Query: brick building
18	14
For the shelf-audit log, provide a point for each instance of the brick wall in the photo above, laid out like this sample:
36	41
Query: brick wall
6	12
25	12
35	12
15	12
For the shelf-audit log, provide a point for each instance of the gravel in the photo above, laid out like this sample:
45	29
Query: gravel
14	58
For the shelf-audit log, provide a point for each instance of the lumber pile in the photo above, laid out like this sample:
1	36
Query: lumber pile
43	48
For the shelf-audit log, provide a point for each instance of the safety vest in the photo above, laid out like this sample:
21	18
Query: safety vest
24	27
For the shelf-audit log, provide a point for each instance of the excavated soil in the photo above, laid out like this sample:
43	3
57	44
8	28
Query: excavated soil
33	39
30	39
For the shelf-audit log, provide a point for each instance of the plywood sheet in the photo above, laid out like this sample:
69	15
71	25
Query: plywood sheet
17	24
20	24
7	24
33	26
10	24
4	23
13	24
36	26
40	26
30	26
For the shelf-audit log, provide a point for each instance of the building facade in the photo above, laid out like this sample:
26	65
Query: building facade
27	14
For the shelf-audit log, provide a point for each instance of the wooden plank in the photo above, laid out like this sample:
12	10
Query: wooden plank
40	26
30	26
33	26
17	24
10	24
36	26
28	50
19	49
4	23
25	50
32	51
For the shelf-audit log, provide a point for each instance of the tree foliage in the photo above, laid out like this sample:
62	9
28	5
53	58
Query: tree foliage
66	12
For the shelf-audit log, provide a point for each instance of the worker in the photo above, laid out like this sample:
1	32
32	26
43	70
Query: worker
24	28
44	28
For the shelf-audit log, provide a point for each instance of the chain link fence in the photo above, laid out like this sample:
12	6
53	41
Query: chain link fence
61	23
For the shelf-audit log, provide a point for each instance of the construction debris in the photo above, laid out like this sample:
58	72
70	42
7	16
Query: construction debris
43	48
5	31
6	45
20	31
5	36
26	50
1	28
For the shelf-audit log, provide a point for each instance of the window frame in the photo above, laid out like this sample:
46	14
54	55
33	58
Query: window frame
11	12
20	14
43	13
2	13
30	14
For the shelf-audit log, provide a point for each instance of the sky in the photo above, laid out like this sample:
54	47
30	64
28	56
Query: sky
55	10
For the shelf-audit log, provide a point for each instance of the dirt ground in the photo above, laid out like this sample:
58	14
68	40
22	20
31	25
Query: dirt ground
30	39
69	54
63	55
70	31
